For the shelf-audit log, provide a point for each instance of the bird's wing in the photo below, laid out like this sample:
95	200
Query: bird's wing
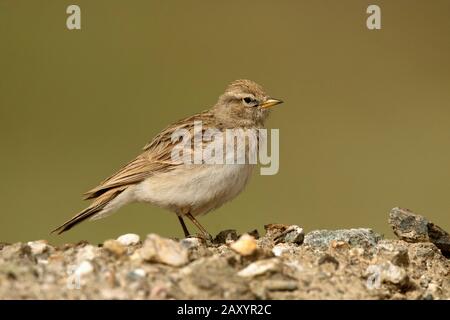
155	158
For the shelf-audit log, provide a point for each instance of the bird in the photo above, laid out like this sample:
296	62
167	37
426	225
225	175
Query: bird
189	190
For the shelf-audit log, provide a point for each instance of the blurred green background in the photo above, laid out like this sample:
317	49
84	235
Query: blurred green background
364	127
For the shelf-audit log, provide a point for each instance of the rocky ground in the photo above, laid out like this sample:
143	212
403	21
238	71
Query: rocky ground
282	264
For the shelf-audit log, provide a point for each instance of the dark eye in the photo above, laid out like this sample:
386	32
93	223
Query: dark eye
248	100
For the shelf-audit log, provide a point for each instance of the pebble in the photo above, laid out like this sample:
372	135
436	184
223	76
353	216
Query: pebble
279	249
38	247
84	268
88	252
129	239
280	285
190	243
408	226
136	274
292	234
273	229
412	227
115	247
226	236
245	245
396	253
260	267
385	273
15	250
167	251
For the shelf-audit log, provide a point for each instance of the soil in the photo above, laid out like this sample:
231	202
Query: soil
282	264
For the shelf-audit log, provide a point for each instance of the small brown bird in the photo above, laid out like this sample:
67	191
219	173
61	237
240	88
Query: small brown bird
187	189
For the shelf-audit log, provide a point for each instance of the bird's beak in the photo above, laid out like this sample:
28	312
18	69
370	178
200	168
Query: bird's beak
270	103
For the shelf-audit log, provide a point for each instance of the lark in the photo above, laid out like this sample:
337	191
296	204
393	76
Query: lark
189	190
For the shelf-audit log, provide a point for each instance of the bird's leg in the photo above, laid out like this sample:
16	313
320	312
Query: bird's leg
183	225
199	226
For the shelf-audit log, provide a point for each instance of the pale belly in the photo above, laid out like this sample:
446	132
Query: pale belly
197	190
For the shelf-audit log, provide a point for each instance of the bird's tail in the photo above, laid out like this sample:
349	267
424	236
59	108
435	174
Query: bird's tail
96	208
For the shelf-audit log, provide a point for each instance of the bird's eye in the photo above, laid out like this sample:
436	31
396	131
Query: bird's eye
248	100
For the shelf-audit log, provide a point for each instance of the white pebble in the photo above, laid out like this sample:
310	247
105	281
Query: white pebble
128	239
85	267
190	243
88	252
37	247
279	249
139	272
260	267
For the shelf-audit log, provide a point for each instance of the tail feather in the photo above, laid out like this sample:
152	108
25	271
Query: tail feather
96	207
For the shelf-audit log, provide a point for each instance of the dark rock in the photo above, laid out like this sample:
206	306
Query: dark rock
281	233
254	233
440	238
412	227
226	236
293	234
274	229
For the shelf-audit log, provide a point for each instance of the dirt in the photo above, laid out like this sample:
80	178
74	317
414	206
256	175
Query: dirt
282	264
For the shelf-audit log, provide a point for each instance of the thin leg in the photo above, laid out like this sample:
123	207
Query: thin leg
199	226
183	225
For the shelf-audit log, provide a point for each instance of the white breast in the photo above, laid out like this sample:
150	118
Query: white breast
197	189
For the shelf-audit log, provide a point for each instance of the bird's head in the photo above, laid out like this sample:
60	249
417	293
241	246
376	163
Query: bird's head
244	103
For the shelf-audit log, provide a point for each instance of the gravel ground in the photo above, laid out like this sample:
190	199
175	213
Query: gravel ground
283	264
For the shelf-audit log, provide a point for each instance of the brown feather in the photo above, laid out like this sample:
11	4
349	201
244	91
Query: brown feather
97	206
155	158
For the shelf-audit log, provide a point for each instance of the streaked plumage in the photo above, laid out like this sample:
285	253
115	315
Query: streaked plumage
187	190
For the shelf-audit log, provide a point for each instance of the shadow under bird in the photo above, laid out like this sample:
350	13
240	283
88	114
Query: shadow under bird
188	190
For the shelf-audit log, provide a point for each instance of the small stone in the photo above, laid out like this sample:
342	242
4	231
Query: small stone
280	285
87	252
356	252
136	274
408	226
191	243
15	250
139	272
129	239
245	245
226	236
412	227
339	244
394	252
274	229
433	291
38	247
322	239
167	251
292	234
279	249
260	267
84	268
115	247
385	273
